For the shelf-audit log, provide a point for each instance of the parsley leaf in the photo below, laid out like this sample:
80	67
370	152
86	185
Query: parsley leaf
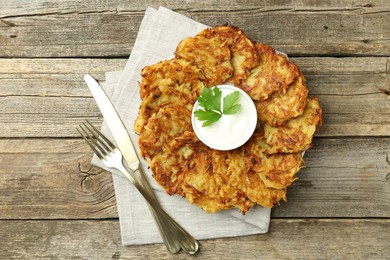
230	105
208	116
210	100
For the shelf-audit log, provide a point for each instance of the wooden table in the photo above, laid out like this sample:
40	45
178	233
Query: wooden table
54	205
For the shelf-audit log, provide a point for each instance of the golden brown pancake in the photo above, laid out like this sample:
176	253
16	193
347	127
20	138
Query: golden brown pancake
212	56
165	171
179	71
276	171
283	106
244	55
245	179
162	128
168	94
186	169
274	73
296	136
231	194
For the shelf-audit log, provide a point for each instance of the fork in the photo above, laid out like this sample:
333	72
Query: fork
173	235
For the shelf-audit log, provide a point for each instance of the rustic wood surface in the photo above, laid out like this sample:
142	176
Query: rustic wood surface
55	205
287	239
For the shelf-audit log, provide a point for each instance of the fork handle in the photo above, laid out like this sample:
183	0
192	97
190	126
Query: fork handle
172	246
178	233
140	177
172	233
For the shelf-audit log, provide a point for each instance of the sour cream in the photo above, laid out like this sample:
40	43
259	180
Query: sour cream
230	131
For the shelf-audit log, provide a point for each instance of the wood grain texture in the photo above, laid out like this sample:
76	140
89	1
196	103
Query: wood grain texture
59	182
54	205
342	178
51	179
102	29
287	239
39	7
48	97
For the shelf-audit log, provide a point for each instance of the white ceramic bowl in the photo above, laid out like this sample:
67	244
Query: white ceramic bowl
230	131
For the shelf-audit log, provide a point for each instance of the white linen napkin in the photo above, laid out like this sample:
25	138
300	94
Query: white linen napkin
160	32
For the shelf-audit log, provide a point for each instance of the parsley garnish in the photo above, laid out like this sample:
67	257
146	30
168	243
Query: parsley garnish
210	100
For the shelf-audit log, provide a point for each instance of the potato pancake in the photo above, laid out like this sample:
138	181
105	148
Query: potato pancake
244	54
274	73
212	56
276	171
245	179
258	192
162	128
182	72
168	94
296	136
281	107
232	194
165	171
186	169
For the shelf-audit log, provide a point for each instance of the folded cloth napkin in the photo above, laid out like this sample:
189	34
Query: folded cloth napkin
160	32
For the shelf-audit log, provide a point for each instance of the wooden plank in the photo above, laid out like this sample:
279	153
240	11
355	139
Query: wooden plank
77	29
53	179
39	7
342	178
48	97
287	239
51	93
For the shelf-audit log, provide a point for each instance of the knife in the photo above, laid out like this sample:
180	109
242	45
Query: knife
122	139
114	123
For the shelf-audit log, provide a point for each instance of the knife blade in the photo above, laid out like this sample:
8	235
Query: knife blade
114	123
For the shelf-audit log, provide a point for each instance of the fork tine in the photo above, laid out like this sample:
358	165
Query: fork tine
95	139
108	142
103	140
89	141
98	141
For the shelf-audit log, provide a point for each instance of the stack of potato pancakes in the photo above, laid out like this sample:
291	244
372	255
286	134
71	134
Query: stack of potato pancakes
258	172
